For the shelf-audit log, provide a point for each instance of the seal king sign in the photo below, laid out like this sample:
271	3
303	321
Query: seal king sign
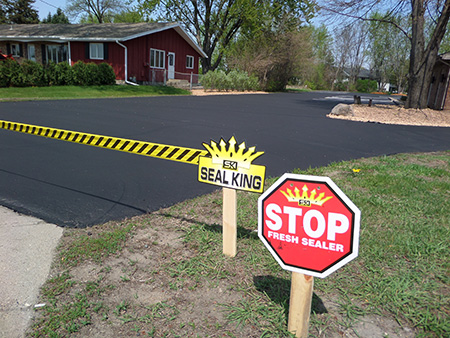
230	165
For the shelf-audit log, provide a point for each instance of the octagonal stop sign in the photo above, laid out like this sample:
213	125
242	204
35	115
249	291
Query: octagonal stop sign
308	224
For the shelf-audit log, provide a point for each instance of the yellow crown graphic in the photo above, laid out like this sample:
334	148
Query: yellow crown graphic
304	199
230	152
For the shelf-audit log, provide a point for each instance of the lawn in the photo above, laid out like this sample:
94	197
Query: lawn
79	92
164	274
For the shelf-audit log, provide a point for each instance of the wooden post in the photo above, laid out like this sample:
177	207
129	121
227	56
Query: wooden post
300	304
229	226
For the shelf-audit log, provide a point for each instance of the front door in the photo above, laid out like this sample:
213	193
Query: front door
171	65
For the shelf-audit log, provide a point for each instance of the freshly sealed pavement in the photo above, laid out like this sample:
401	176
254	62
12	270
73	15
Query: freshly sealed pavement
76	185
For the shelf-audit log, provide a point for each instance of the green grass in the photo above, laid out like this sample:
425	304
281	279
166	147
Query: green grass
402	272
79	92
96	247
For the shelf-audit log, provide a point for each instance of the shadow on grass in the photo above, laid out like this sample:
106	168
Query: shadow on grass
279	289
241	232
214	227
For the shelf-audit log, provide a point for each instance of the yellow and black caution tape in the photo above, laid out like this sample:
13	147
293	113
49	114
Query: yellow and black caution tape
163	151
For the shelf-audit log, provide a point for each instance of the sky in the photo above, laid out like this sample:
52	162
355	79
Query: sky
45	6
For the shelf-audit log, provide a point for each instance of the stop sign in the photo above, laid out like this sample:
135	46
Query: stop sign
308	224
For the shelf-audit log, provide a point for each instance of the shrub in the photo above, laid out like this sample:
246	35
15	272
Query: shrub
207	80
234	80
9	69
59	74
106	74
30	74
89	74
340	86
311	85
92	75
252	83
64	74
79	73
366	86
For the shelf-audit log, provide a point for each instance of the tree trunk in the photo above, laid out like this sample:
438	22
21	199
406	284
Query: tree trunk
422	60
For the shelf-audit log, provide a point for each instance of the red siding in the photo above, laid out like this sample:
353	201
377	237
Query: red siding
139	56
116	56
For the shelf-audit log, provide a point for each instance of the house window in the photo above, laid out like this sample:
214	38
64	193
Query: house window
56	53
157	58
31	53
96	51
15	49
189	62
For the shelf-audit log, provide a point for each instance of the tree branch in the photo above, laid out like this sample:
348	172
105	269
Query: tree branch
370	20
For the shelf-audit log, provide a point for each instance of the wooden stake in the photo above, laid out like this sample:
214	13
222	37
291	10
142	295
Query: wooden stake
300	304
229	222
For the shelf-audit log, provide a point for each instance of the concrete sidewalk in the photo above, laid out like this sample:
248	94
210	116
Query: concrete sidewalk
27	245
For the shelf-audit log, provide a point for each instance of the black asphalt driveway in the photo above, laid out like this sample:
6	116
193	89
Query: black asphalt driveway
75	185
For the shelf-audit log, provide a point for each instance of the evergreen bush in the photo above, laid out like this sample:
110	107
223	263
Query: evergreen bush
106	74
92	75
30	73
64	74
79	74
9	69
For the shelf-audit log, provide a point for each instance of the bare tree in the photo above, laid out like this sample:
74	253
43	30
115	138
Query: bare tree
350	52
99	11
340	54
424	51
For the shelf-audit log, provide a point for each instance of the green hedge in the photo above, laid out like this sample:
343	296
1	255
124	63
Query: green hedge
366	86
234	80
30	73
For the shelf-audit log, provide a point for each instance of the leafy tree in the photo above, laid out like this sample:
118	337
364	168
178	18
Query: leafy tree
58	17
215	24
424	47
320	75
131	15
18	12
97	11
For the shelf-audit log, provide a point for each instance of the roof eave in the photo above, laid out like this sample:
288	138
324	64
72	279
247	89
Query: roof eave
61	39
180	31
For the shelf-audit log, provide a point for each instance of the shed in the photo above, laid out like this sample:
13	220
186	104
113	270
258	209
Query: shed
138	52
438	94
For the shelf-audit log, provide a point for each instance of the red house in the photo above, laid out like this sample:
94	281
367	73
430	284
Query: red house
145	53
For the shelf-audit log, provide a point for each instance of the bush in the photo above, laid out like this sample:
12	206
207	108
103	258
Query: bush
340	86
366	86
31	73
79	74
106	74
60	74
92	75
234	80
9	70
